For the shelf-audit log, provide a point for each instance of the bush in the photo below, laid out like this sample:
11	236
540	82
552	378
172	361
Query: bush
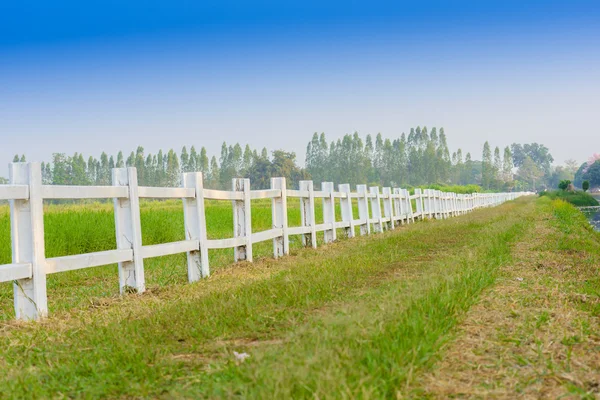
579	199
564	184
585	185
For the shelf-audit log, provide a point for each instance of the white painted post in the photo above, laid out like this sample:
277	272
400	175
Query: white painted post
442	204
446	204
281	244
346	205
129	231
307	213
329	211
427	202
410	214
242	220
397	205
363	209
387	206
376	209
195	227
440	196
419	201
425	197
455	204
27	235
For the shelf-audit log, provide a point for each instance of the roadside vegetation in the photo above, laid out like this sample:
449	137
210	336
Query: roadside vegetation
567	192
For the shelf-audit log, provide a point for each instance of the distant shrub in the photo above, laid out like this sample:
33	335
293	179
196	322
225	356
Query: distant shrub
564	184
585	186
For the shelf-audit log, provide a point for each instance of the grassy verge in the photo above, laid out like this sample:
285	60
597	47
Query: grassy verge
578	199
536	333
360	318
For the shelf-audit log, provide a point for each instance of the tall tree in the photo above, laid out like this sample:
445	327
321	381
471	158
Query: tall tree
507	165
193	160
120	162
139	164
203	161
173	169
497	168
185	160
487	172
529	172
214	174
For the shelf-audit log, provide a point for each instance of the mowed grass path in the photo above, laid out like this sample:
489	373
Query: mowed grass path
361	318
536	332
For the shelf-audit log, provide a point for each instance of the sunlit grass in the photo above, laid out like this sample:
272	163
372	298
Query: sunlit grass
90	227
358	318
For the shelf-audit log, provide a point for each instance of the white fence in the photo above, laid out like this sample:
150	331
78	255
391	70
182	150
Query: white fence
30	266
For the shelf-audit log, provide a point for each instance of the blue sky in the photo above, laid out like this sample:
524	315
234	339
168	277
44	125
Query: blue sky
104	76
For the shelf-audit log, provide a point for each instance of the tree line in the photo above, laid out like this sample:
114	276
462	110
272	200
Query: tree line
164	168
420	158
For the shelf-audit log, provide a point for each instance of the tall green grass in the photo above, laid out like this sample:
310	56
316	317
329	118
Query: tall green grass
90	227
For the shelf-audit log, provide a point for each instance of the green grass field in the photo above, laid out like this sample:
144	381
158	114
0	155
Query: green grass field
85	228
384	316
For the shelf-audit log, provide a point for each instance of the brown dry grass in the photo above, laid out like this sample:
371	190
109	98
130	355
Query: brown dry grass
528	338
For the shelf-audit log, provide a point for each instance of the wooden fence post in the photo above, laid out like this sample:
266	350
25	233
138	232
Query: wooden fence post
27	235
195	227
307	213
242	220
281	244
363	209
129	231
376	209
388	212
346	205
330	235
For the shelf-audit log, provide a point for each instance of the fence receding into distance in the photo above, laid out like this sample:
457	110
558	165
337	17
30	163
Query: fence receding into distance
30	266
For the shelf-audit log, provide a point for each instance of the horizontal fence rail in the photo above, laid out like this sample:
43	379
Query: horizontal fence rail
378	210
